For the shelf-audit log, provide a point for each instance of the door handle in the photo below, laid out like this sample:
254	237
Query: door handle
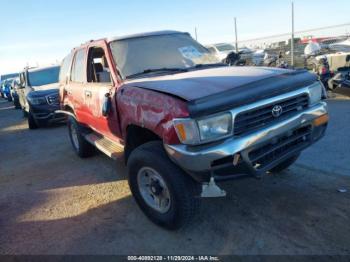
88	94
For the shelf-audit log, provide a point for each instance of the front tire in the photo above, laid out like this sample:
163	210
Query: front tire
152	175
285	164
17	104
81	147
31	121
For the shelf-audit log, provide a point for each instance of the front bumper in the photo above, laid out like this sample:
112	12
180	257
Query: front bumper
45	114
202	161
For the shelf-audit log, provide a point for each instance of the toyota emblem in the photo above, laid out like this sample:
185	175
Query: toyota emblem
277	111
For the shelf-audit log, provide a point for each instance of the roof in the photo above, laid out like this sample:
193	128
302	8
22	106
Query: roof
9	79
7	76
139	35
41	68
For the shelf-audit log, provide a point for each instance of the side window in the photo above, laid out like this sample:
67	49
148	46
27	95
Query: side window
78	69
98	68
65	66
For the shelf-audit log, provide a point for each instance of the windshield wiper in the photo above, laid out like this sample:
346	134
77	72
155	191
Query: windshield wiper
165	69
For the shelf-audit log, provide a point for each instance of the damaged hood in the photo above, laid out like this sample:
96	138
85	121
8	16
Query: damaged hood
217	88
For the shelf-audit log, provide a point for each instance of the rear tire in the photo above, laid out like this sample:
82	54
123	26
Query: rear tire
285	164
81	147
178	191
31	121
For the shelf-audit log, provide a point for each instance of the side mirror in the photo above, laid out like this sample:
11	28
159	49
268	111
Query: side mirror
107	104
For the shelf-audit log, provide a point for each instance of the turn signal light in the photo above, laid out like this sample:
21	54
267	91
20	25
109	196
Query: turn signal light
321	120
181	131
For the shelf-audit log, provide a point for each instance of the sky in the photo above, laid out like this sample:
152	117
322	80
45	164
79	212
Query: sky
38	32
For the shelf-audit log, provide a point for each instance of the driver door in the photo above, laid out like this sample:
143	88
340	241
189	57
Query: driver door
100	85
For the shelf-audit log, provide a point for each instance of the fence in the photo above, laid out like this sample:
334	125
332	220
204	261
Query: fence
330	39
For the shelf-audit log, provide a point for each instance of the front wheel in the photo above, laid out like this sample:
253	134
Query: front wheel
16	104
285	164
31	121
166	195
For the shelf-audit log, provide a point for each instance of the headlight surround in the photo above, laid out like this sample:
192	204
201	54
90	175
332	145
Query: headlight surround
194	132
316	91
37	100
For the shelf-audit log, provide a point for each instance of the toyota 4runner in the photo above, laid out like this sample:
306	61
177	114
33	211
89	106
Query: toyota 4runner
182	120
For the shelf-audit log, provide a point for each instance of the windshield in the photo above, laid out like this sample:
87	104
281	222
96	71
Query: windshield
180	51
226	47
44	76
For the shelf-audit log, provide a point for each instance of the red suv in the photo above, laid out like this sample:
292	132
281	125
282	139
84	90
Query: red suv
183	120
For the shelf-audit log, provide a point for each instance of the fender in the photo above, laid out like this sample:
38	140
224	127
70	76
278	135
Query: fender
150	109
66	112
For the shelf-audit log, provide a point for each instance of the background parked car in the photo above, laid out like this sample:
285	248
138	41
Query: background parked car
221	50
2	92
3	78
14	94
38	95
6	89
319	65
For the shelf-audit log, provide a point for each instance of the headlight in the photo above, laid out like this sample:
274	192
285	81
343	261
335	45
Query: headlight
52	99
215	127
194	132
36	100
315	91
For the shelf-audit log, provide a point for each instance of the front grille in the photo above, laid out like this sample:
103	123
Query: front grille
266	154
256	118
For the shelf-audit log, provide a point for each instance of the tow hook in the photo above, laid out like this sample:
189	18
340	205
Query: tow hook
211	189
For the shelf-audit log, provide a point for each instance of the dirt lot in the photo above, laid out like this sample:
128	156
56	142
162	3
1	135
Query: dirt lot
52	202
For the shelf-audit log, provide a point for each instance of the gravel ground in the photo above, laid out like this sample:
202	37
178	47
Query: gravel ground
52	202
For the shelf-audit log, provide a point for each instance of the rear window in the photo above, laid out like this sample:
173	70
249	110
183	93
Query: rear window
65	66
43	76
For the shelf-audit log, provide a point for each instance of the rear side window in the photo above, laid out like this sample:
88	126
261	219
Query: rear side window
65	66
78	69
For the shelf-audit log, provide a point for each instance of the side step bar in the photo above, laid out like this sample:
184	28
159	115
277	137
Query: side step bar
110	148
